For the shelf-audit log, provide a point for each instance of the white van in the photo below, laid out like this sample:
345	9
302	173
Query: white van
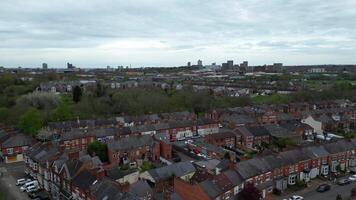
26	185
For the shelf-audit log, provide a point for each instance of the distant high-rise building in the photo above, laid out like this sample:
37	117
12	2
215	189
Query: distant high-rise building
244	64
243	67
44	66
189	64
277	66
70	66
230	64
200	63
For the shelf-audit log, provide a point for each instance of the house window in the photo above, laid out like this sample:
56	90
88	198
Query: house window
10	151
292	179
325	170
334	164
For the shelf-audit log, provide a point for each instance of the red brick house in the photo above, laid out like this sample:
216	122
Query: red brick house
13	147
251	137
225	137
75	139
131	149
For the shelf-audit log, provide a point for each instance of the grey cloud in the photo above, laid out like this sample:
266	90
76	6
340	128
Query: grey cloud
192	28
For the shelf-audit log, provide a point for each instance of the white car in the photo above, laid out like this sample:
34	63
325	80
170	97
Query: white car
22	181
32	188
28	184
352	177
296	197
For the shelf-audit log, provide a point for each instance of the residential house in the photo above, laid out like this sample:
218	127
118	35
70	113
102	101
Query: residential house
131	149
224	138
206	127
162	178
14	146
142	190
252	137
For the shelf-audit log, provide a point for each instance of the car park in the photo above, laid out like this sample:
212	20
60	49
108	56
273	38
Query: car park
323	188
343	181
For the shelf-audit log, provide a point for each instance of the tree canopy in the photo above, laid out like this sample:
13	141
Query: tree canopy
99	149
30	122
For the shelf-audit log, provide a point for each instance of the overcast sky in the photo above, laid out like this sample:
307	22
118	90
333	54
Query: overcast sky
97	33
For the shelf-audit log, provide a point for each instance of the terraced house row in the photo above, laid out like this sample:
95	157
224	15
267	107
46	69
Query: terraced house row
274	171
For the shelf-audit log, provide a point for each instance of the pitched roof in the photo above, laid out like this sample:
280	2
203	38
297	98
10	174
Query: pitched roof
116	173
252	167
279	131
233	177
140	188
106	189
177	169
84	180
254	131
72	167
130	142
17	140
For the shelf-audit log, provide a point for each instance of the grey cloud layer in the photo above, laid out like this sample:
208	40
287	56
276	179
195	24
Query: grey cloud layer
170	32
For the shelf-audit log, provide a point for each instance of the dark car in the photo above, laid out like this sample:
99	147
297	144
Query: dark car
33	195
42	195
343	181
323	188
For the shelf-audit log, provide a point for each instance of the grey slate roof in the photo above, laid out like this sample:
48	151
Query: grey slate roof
279	131
254	131
177	169
210	188
233	177
140	188
252	167
17	140
84	180
106	190
130	142
73	166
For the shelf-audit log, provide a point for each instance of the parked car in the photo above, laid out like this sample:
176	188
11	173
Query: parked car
296	197
22	181
41	194
323	188
33	195
343	181
32	188
28	184
352	177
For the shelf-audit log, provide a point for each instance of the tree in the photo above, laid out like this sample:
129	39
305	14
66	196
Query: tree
77	94
99	149
62	113
39	100
4	112
146	165
30	122
100	90
250	192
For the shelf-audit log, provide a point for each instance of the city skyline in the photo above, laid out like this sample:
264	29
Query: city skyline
171	33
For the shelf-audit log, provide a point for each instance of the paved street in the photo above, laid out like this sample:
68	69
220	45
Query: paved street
311	194
10	173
